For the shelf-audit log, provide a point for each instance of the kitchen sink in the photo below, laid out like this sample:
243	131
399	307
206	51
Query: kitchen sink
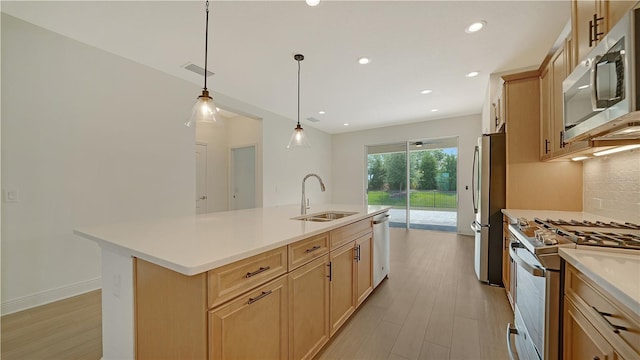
324	216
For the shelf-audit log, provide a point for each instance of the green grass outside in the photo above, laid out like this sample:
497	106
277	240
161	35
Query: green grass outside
419	199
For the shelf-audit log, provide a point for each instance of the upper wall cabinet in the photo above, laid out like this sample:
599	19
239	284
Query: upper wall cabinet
591	20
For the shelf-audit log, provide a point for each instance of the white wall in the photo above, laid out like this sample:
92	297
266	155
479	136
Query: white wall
91	138
87	138
283	169
349	151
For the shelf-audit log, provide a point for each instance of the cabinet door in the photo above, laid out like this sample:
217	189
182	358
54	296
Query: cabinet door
582	14
545	113
616	9
254	326
558	66
342	286
309	309
581	339
364	268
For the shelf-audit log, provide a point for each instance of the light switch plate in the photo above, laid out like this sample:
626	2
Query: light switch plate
10	195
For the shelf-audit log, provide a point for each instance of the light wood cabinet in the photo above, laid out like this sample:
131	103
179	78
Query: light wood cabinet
531	183
580	339
284	303
546	90
506	261
588	21
306	250
343	281
229	281
309	309
364	267
253	326
597	322
591	20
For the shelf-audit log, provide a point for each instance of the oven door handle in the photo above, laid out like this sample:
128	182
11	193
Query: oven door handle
511	330
531	269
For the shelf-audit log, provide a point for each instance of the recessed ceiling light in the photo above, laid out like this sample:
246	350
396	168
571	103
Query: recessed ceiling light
345	124
475	27
426	91
321	112
363	61
434	110
217	109
312	2
472	74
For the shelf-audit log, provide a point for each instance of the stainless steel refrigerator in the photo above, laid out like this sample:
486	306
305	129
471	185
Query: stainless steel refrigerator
489	198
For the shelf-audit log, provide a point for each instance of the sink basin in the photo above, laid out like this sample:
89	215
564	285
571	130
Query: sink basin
324	216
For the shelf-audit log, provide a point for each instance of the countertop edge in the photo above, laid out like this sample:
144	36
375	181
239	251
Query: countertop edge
204	267
633	305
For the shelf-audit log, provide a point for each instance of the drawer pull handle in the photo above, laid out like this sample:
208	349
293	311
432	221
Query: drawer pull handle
264	293
616	328
312	249
262	269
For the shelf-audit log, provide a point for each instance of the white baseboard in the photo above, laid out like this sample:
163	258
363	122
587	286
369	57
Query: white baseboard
48	296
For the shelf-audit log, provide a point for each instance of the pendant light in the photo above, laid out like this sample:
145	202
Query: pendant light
297	138
204	110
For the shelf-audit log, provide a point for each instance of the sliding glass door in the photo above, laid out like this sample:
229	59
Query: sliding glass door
418	179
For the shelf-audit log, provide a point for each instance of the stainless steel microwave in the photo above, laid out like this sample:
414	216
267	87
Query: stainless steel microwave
600	95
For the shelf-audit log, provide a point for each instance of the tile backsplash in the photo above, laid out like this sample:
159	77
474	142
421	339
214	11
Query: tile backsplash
612	186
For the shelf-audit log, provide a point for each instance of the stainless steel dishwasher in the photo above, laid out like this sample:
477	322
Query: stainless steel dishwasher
380	247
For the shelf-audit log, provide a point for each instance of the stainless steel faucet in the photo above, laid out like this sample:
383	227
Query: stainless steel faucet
303	204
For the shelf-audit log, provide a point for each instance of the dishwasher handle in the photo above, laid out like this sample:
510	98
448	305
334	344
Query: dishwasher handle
381	221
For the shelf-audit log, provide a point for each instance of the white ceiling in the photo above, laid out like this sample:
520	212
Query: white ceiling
413	45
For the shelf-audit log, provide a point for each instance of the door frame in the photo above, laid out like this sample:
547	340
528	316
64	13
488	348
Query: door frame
255	172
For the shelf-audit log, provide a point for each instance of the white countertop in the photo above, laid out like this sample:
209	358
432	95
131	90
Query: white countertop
616	272
553	214
194	244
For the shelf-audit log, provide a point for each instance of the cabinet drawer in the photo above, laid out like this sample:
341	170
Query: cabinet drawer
303	251
602	310
350	232
229	281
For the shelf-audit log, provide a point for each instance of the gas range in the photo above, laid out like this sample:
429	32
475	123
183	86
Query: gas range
547	235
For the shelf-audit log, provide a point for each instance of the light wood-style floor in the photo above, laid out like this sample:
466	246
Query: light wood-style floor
432	307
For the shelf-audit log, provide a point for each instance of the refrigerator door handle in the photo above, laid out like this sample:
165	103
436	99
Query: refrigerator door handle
477	227
476	163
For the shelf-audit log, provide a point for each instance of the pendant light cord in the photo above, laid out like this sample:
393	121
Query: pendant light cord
206	42
298	92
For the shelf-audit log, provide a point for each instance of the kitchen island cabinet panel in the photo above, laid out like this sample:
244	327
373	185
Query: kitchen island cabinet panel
169	311
253	326
364	268
343	299
309	309
231	280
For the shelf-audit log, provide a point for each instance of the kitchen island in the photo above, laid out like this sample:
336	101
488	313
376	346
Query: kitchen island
191	247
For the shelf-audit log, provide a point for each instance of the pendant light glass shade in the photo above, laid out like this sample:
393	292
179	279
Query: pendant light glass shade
204	111
297	138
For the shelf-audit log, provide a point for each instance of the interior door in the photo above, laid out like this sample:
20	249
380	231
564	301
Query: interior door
201	178
243	178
